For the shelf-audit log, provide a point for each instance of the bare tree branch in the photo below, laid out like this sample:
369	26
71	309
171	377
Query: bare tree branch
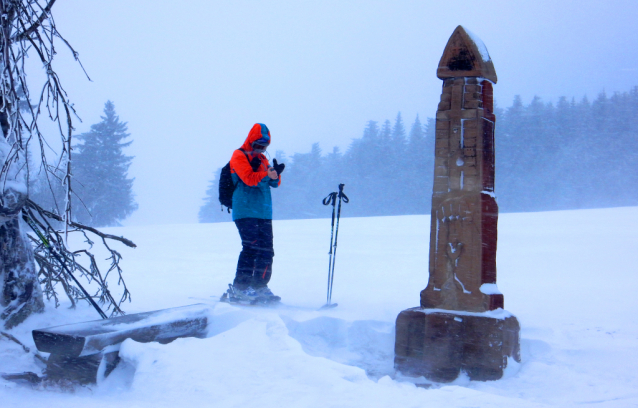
25	348
26	33
27	26
56	217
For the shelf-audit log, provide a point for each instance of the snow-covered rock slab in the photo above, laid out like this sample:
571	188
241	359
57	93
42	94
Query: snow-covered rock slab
87	338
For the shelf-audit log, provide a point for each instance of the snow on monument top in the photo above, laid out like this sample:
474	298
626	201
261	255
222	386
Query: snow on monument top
465	55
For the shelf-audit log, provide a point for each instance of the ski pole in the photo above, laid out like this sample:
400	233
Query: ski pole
333	248
342	198
57	257
330	199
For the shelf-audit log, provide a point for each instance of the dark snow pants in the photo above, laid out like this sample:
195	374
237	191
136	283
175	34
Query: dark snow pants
254	266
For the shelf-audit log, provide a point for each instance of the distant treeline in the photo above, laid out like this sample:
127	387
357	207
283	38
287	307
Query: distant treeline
574	154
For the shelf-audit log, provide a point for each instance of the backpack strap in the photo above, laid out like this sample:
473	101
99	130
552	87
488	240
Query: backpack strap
247	158
245	154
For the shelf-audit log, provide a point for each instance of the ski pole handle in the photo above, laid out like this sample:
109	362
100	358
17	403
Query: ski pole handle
342	196
331	198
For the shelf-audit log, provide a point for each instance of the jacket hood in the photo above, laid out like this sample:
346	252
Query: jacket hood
258	132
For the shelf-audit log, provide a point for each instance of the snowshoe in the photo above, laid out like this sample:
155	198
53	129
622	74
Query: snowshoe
249	296
235	294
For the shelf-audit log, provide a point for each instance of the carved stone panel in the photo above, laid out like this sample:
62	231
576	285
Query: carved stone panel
464	210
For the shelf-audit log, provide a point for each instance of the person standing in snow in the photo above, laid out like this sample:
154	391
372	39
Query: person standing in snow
252	214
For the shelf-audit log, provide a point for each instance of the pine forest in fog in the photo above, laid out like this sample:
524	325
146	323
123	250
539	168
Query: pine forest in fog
571	154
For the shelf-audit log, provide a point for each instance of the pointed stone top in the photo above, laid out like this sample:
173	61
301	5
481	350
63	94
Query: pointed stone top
465	55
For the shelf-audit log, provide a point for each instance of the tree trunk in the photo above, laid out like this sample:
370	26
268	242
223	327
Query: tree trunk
20	293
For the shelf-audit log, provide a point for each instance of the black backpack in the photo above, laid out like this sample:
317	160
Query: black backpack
226	186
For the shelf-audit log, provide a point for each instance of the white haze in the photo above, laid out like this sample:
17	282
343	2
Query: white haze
191	78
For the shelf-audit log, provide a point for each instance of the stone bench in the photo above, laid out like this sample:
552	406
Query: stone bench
87	352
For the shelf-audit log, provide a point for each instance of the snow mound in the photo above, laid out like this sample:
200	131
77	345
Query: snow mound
272	360
368	344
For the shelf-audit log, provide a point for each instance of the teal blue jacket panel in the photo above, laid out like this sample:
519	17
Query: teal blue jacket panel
253	202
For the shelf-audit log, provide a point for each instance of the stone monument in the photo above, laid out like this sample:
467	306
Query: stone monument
461	324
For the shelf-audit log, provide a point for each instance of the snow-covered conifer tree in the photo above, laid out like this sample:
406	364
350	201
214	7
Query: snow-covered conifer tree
101	170
399	142
211	210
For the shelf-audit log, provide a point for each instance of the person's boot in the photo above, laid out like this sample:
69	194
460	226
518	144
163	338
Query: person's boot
266	294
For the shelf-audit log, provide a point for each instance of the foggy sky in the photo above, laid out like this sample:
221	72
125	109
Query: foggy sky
192	77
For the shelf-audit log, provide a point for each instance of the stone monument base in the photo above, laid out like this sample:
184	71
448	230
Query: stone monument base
438	344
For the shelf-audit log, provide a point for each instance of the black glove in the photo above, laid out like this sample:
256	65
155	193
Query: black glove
255	163
279	168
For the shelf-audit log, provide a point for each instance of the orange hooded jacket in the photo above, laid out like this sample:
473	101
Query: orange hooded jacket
251	198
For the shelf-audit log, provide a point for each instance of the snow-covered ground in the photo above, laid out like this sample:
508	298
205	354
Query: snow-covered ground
570	278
